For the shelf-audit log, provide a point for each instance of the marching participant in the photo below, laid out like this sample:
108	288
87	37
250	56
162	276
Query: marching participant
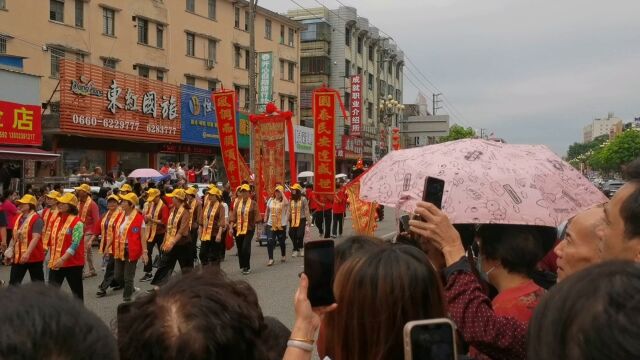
194	218
109	231
90	217
156	215
176	246
298	217
243	221
213	223
125	189
66	246
277	216
129	245
49	215
26	244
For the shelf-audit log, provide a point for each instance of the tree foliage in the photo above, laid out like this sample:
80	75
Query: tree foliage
613	155
577	149
457	132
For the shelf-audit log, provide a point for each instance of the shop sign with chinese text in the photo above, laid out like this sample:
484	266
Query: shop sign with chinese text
356	105
352	146
265	81
20	124
324	106
226	114
102	102
199	124
303	138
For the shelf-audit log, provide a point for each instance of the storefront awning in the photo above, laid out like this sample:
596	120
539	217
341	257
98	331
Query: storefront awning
26	153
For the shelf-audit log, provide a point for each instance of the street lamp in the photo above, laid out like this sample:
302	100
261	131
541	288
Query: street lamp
388	108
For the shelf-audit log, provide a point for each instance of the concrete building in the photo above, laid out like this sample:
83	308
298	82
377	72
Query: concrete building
336	45
202	43
419	128
601	126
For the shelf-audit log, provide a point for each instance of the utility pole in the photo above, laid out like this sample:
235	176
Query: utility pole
253	5
436	103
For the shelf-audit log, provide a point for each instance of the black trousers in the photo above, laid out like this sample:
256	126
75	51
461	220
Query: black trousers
18	271
297	235
338	220
210	252
243	242
182	254
222	250
324	218
279	236
316	218
73	274
109	279
194	242
157	242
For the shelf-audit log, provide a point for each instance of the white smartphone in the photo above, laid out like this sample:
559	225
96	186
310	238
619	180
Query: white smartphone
433	339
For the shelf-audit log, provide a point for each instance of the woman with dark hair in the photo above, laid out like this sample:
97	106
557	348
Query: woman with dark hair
108	233
26	245
101	200
66	246
213	223
298	217
378	293
242	221
277	219
592	315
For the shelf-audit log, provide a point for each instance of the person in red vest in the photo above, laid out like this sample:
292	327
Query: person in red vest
26	244
129	246
339	208
191	175
109	231
49	215
156	216
90	217
66	246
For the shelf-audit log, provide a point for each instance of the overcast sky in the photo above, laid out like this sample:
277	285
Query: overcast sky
529	71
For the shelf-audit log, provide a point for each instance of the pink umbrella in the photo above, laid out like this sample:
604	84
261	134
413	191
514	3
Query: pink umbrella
145	173
485	182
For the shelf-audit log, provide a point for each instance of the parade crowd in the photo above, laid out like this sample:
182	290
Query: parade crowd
513	291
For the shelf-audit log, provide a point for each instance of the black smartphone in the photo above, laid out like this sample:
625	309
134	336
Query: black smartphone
433	191
430	339
319	261
404	223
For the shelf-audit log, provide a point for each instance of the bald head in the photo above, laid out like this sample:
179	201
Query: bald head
582	244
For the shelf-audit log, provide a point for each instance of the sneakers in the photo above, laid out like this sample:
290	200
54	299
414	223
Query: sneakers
270	263
89	274
101	293
284	259
295	254
333	236
302	253
246	271
146	277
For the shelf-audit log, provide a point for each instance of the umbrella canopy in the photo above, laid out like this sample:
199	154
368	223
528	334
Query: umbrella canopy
305	174
145	173
339	176
485	182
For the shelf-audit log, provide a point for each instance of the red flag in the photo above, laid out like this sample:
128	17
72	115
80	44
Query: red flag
226	114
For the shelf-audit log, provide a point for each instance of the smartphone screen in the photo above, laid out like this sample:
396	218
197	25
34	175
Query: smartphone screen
433	191
404	223
319	267
433	341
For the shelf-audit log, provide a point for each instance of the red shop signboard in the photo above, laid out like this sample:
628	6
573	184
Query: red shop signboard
20	124
106	103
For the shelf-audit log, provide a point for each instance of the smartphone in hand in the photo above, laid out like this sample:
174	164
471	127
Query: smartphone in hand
433	339
319	259
433	191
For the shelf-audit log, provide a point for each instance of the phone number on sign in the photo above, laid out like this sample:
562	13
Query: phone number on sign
92	121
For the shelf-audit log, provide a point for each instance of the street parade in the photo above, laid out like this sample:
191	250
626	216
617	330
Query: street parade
214	179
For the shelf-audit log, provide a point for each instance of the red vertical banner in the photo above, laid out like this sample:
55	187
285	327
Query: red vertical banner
268	150
395	139
324	106
356	105
20	124
226	114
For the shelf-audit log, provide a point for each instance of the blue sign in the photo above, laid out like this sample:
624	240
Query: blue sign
199	125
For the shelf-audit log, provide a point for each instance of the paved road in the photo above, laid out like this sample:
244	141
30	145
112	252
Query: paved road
275	285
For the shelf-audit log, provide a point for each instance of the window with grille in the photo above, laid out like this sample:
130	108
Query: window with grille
143	31
211	9
79	13
236	22
56	55
56	10
159	75
109	63
267	29
291	37
281	34
191	5
211	50
191	44
190	80
236	56
108	21
143	71
246	21
291	71
3	45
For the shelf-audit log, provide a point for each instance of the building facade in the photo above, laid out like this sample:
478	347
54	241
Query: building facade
419	128
342	50
193	44
602	126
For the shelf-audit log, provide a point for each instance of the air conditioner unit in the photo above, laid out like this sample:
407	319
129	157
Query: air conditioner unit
210	63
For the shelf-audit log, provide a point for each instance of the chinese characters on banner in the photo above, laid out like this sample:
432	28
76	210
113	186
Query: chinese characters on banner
226	114
352	147
324	106
268	148
356	105
363	213
99	101
20	124
265	83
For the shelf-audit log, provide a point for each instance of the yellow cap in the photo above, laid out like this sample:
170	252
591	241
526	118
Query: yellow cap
152	194
280	188
69	198
245	187
296	186
211	186
130	197
214	191
28	199
84	187
178	194
53	195
113	197
192	191
126	187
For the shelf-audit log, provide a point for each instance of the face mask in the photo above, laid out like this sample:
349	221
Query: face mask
483	275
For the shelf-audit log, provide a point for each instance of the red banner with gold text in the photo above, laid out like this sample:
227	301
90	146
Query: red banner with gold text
20	124
324	106
268	147
226	114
